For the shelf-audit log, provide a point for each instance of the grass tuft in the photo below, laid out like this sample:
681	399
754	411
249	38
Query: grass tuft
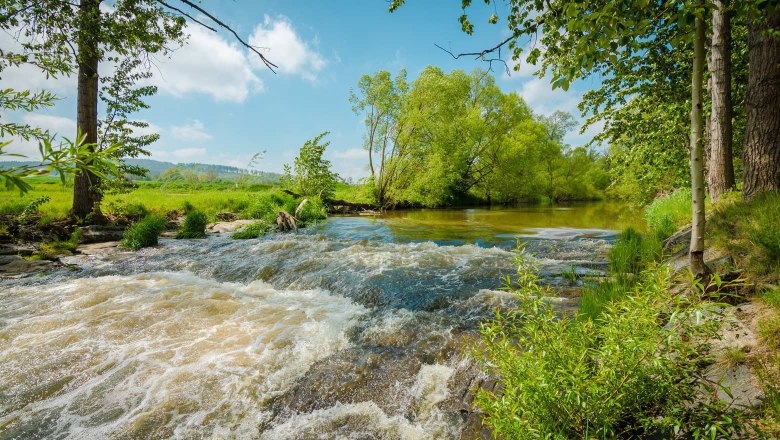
254	230
194	225
144	233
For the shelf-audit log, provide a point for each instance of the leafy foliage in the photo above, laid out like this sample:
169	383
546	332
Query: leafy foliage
457	138
311	174
583	378
144	233
194	225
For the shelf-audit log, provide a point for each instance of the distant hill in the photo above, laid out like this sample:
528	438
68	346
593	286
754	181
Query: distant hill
157	167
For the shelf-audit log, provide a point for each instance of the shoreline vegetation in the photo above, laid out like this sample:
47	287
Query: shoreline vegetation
651	350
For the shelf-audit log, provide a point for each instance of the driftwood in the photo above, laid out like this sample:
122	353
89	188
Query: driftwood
338	205
286	222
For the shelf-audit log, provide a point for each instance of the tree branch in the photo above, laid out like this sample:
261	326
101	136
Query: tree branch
173	8
271	66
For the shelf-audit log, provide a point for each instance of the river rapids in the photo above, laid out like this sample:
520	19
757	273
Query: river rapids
356	328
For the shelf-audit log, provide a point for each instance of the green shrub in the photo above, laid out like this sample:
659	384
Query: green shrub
254	230
633	252
625	374
144	233
267	206
311	211
666	214
194	225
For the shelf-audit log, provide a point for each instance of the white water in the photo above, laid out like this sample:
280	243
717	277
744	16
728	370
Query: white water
316	335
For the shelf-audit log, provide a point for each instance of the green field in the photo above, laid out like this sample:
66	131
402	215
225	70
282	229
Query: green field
155	197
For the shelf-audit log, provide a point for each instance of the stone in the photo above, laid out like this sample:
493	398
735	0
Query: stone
227	216
21	267
232	226
100	234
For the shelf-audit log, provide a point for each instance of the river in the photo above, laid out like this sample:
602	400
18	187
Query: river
355	328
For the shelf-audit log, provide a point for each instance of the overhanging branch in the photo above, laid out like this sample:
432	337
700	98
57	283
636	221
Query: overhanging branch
271	66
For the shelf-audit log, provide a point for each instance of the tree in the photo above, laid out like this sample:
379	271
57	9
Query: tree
130	29
381	98
310	174
761	152
721	163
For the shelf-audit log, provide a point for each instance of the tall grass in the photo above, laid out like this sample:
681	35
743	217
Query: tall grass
666	214
623	374
144	233
750	231
194	225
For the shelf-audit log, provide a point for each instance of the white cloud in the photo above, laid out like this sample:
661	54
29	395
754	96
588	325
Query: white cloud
188	153
352	153
54	124
207	64
286	49
194	131
540	96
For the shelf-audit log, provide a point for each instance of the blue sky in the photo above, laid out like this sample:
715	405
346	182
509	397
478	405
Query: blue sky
218	104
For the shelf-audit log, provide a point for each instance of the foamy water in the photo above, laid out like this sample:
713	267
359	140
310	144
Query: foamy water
325	334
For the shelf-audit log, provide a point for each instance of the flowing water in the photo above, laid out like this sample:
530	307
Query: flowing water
355	328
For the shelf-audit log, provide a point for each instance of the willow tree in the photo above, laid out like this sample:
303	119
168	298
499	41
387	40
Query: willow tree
59	36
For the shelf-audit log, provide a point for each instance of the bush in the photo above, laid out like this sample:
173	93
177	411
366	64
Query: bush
144	233
254	230
666	214
267	206
187	206
626	374
194	225
633	252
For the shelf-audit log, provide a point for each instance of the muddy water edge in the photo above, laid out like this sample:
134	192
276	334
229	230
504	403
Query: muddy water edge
355	328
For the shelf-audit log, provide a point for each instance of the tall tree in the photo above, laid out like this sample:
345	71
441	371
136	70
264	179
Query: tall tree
720	174
761	152
696	251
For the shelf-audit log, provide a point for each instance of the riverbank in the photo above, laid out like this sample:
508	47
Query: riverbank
650	351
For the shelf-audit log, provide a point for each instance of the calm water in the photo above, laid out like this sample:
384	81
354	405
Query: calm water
355	328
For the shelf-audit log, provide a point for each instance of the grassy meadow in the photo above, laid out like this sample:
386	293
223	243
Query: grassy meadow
154	198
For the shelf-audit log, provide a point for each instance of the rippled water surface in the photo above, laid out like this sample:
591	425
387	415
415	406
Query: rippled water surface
355	328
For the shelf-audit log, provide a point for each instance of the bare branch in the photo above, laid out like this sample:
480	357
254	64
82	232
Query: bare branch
219	22
173	8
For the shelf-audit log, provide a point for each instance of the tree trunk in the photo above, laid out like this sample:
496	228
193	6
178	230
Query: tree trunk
721	161
698	268
86	185
761	154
